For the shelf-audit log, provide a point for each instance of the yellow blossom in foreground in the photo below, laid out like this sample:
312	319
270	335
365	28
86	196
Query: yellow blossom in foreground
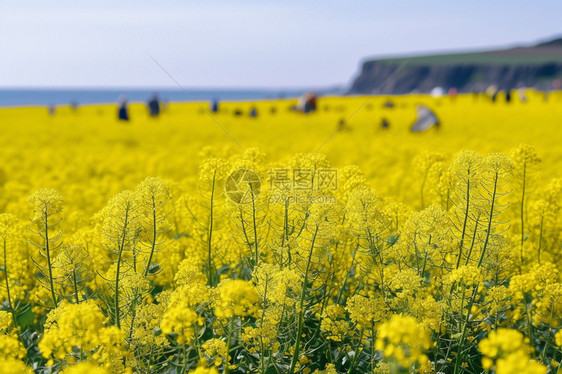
204	370
402	339
507	351
13	366
82	326
85	368
558	338
519	363
11	347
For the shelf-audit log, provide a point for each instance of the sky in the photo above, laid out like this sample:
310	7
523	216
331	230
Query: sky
244	44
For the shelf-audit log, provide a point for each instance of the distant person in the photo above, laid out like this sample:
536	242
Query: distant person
385	125
214	106
453	92
521	92
301	103
52	109
253	112
74	105
341	125
154	106
437	91
508	96
492	92
426	119
123	112
307	103
312	102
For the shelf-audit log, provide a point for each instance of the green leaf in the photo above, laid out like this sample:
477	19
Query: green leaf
25	317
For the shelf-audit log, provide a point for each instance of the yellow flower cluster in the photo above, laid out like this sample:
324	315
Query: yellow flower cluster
180	321
46	202
77	331
204	370
558	338
466	276
236	297
335	323
402	339
85	368
11	347
366	311
217	352
506	351
13	366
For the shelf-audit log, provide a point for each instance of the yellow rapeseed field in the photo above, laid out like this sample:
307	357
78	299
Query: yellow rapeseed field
286	242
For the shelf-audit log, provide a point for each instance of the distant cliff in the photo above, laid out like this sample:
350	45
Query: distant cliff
537	66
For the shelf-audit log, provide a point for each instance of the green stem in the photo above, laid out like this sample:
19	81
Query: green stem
255	228
357	354
473	240
465	221
121	247
523	210
261	336
422	188
546	344
490	220
210	235
13	312
286	234
540	237
48	252
372	346
465	327
75	284
154	234
301	307
184	364
228	342
529	320
342	288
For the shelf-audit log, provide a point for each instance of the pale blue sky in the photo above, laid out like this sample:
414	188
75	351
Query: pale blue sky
251	43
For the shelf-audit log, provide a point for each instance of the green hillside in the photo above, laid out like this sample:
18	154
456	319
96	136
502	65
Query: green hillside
539	54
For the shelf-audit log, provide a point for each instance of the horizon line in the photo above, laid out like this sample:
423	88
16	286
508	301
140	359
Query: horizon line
174	88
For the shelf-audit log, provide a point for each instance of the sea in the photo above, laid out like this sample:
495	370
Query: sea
52	97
